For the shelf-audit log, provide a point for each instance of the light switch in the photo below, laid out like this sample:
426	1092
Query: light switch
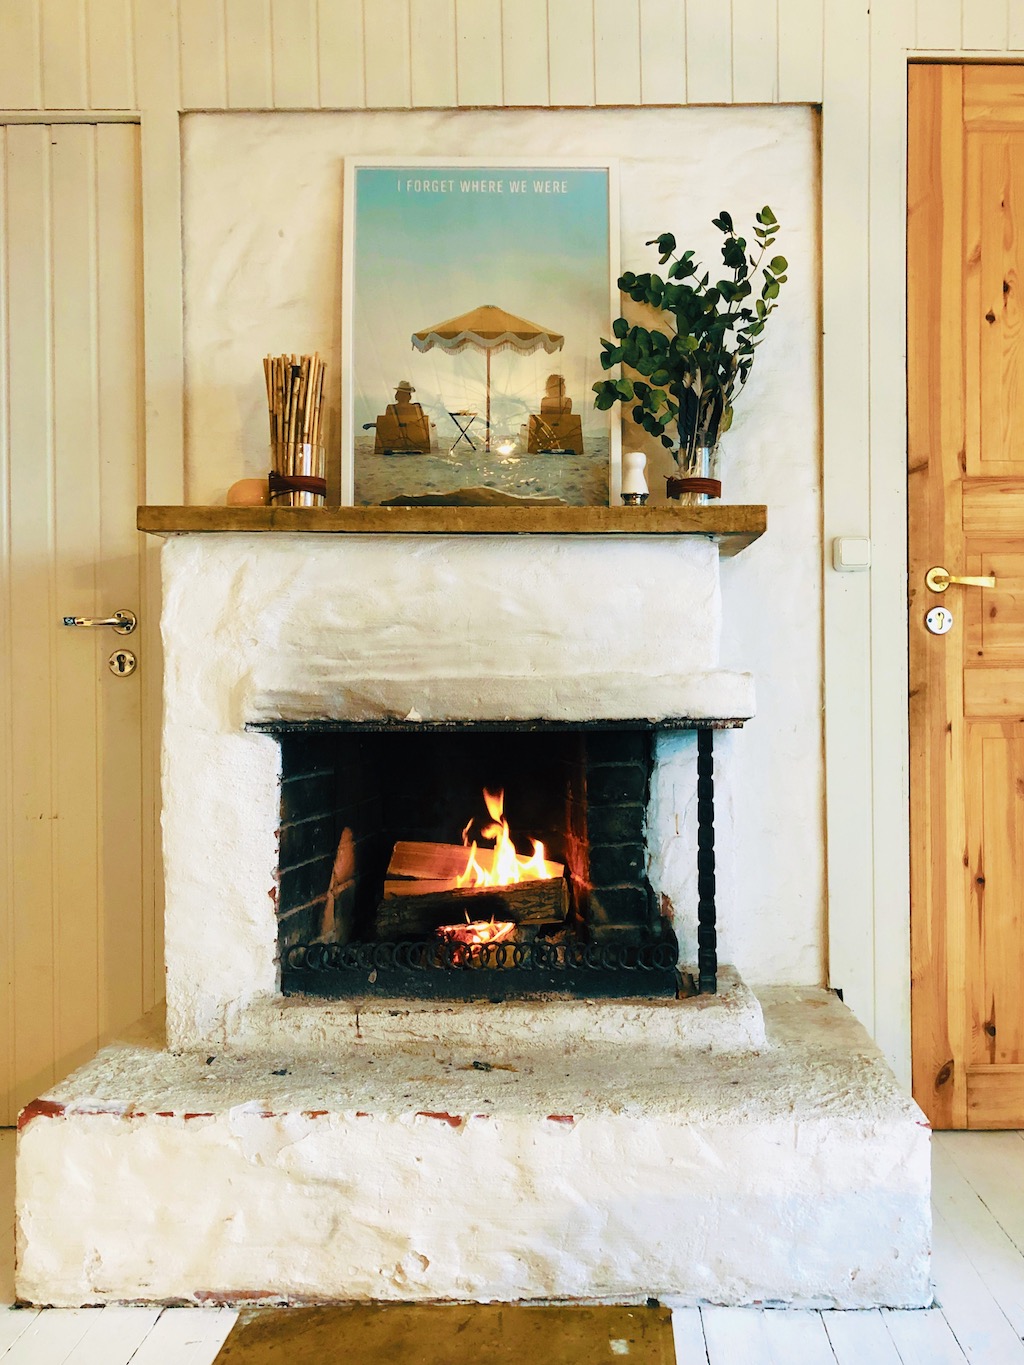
851	554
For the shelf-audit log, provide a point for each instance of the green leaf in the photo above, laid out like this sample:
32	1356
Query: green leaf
766	216
620	327
777	264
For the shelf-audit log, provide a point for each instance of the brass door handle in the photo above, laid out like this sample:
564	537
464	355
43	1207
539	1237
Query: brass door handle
939	579
124	622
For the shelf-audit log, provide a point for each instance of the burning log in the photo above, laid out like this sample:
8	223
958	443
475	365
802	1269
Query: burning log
418	913
431	884
446	862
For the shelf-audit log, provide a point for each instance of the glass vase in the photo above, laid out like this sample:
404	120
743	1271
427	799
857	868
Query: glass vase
698	482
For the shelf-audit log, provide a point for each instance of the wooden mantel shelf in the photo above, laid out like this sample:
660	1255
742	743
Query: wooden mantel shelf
733	527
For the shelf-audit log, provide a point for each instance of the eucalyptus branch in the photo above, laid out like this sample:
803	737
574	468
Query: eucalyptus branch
687	372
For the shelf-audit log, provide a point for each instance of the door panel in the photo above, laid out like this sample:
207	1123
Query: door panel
966	513
71	734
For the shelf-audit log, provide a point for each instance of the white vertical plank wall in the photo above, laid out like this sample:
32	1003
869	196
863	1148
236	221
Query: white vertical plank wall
71	900
432	40
165	56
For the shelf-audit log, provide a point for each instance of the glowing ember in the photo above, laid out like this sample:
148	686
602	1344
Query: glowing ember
506	865
478	933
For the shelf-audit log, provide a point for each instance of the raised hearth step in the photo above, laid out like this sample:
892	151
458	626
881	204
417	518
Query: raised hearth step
463	1171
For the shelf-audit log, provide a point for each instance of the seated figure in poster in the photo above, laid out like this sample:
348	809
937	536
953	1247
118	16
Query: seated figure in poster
403	427
555	427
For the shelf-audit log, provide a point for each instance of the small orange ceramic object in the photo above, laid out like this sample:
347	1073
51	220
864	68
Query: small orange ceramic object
248	493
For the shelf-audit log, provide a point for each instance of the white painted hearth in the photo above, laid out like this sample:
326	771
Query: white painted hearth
281	627
698	1150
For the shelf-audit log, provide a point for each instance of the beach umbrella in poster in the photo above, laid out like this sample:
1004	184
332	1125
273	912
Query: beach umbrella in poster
488	329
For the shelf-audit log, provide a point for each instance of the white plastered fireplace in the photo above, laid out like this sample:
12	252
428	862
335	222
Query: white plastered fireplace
730	1148
438	628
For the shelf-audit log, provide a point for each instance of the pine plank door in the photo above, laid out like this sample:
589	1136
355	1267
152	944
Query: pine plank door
76	901
966	515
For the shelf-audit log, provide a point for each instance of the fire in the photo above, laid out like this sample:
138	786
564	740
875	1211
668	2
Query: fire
479	932
506	865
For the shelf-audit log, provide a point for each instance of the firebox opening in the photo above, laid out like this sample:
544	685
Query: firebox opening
369	814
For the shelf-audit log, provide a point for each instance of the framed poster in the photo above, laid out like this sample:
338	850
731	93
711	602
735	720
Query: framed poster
475	300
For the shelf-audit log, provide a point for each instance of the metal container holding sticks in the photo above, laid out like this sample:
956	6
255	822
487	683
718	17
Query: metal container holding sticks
294	398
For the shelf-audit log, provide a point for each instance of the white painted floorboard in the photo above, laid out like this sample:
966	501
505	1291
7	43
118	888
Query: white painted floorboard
978	1198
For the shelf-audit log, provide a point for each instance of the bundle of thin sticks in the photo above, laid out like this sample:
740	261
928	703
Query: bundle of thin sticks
295	388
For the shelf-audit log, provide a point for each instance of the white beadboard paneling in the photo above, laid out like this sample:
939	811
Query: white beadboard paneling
571	51
433	53
247	37
478	51
386	31
7	833
524	51
755	57
892	33
846	508
203	60
708	53
32	608
340	32
984	25
20	65
111	54
801	50
64	54
156	38
617	51
295	57
663	51
128	719
938	24
78	655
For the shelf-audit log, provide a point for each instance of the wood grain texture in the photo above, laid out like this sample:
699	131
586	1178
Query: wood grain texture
935	440
733	527
967	689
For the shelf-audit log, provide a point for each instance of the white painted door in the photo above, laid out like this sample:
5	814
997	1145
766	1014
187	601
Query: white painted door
77	941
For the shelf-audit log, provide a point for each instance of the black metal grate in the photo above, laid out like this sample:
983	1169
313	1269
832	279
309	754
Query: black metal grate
434	968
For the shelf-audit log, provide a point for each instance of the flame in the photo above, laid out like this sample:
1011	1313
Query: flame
507	866
478	932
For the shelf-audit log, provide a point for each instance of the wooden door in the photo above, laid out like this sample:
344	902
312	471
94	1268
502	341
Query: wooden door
75	902
966	464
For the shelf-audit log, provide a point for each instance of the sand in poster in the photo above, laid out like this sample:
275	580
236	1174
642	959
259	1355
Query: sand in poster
479	296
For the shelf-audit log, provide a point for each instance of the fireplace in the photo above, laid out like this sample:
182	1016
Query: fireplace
308	1137
380	824
297	664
